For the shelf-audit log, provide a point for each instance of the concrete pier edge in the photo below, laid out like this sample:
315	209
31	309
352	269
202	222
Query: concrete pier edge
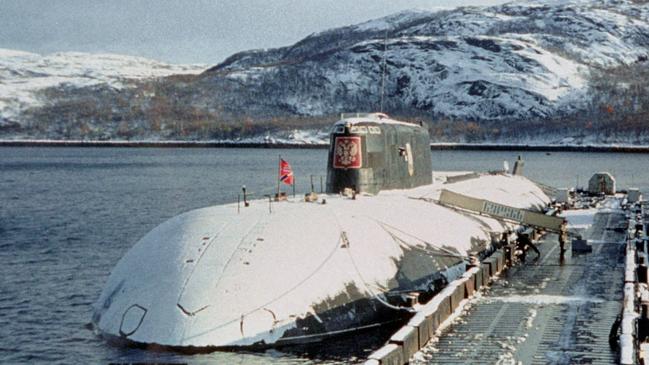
437	313
632	351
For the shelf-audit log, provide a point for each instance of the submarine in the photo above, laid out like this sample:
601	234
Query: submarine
229	277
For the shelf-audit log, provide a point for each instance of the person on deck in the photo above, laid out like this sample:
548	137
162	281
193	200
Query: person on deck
563	237
504	239
523	243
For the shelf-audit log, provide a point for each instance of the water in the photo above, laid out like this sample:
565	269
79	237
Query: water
68	214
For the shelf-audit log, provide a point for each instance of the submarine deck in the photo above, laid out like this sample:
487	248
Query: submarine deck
544	312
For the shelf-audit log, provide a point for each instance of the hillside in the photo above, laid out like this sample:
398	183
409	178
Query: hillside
27	79
532	71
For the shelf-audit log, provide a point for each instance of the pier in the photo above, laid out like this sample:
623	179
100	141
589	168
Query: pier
588	306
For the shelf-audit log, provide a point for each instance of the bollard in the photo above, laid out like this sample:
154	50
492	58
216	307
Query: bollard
444	309
424	325
435	322
643	319
457	297
469	286
477	284
643	322
408	339
507	252
389	354
486	273
500	260
641	272
438	309
493	267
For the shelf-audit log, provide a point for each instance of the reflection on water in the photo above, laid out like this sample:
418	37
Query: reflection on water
69	214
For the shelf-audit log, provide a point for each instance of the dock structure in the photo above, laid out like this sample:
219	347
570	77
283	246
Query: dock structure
584	307
546	311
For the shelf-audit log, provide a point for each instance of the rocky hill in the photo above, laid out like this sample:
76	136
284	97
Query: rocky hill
491	71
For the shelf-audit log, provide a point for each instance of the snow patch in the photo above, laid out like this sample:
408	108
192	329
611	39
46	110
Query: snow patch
544	299
579	218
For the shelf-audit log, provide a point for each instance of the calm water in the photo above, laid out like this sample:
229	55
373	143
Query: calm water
68	214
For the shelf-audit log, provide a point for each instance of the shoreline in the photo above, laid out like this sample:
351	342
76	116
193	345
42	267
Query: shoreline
216	144
157	144
538	148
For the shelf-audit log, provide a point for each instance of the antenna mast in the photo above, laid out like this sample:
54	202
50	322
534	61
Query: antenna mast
385	47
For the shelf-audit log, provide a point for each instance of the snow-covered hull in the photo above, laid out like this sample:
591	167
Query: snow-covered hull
214	277
348	318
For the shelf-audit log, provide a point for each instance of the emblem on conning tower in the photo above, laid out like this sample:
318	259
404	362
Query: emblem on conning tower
347	153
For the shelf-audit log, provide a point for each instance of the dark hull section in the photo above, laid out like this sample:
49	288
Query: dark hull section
362	313
420	271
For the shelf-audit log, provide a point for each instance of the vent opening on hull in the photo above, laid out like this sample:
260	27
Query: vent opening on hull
132	320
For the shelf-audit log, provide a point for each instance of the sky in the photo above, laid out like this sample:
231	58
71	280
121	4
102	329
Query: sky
191	31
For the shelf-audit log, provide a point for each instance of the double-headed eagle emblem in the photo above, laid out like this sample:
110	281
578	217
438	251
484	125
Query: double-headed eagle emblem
347	152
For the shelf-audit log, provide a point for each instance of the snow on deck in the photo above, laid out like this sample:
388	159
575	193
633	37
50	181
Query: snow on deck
511	190
579	218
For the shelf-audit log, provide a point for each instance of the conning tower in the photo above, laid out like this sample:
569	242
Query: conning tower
371	152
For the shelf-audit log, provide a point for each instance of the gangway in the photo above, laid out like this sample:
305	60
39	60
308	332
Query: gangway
502	212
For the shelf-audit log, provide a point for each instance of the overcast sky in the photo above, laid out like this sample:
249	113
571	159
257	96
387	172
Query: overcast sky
183	31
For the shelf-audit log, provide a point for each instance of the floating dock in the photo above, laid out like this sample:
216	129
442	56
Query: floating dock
578	308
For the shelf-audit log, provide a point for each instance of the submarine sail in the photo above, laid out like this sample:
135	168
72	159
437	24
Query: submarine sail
371	152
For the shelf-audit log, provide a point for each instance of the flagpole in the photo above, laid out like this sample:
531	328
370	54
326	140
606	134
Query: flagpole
279	171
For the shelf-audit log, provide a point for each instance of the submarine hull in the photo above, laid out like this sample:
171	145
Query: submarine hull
221	278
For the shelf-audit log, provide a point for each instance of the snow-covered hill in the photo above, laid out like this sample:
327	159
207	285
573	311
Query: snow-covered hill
24	74
526	60
510	62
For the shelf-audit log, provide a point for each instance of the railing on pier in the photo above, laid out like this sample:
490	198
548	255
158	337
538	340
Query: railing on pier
634	347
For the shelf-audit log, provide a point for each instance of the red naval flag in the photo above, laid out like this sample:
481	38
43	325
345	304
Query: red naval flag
285	172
